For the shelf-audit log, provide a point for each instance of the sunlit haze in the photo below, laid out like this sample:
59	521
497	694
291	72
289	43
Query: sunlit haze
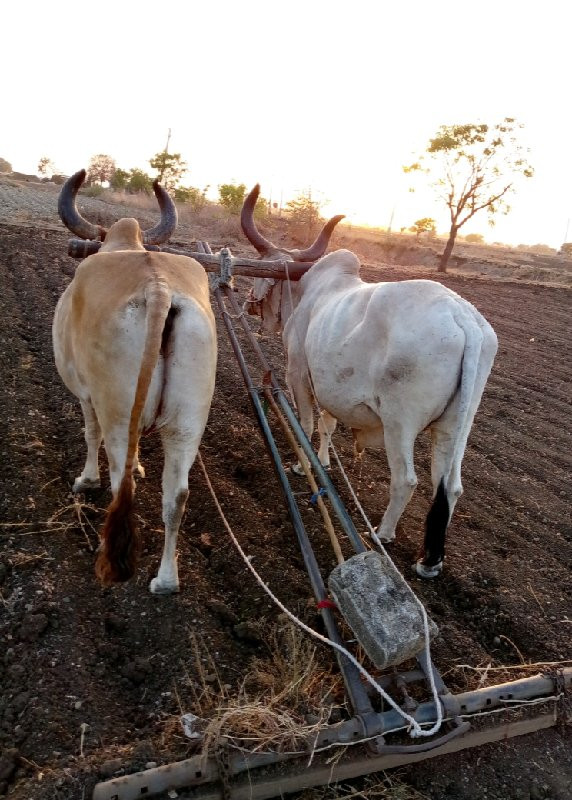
332	96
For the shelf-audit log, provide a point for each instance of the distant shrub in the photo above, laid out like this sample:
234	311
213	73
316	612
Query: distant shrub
475	238
566	249
542	249
192	196
5	166
95	190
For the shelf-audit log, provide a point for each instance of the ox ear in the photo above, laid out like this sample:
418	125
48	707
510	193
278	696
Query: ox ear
256	239
166	226
318	248
70	216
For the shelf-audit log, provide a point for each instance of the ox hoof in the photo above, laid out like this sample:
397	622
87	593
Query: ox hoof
81	484
298	470
428	572
385	538
158	587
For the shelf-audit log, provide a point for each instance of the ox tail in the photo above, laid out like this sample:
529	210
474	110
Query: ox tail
449	488
119	550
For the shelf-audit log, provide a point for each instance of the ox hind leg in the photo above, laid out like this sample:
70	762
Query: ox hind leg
447	488
326	427
303	400
180	453
399	444
89	478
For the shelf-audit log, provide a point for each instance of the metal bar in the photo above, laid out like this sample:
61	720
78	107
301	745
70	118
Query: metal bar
356	690
197	770
323	477
304	777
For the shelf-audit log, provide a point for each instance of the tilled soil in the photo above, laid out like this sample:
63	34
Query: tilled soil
94	680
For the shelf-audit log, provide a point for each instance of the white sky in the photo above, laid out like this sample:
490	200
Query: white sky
326	94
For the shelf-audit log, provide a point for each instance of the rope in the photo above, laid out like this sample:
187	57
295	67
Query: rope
374	535
415	730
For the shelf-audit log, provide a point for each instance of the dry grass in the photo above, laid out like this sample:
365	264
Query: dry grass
468	678
73	517
281	704
379	786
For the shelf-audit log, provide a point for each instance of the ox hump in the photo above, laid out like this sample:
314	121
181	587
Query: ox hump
339	261
125	234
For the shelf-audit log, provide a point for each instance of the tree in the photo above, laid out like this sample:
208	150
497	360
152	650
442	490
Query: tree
120	179
100	169
304	212
46	167
423	225
476	166
231	196
139	181
170	168
5	166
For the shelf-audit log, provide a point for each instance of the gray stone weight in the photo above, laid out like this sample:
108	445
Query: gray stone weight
380	608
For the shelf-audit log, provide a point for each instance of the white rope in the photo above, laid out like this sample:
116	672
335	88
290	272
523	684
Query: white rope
375	537
415	730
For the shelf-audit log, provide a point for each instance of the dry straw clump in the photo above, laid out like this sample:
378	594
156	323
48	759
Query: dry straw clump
282	703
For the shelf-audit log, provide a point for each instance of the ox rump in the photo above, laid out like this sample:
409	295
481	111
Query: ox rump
380	608
135	340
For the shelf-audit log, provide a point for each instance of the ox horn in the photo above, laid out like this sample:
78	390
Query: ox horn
166	226
73	220
69	214
318	248
264	247
251	232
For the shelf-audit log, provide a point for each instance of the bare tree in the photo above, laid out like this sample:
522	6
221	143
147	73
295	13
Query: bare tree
476	166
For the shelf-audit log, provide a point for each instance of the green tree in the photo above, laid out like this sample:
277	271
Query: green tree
170	168
475	166
423	225
101	168
231	196
46	167
120	179
196	198
139	181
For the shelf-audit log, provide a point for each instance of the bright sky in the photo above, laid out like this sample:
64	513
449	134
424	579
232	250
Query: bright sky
326	94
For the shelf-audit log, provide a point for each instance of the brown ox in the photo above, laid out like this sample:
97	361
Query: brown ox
135	340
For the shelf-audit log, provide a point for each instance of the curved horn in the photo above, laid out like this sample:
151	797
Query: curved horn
69	214
165	228
318	248
251	232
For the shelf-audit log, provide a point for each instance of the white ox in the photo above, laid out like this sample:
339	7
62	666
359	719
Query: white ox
135	340
388	360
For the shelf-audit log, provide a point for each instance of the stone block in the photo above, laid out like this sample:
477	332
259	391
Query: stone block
380	608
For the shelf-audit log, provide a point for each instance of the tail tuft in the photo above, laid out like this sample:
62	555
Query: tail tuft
119	549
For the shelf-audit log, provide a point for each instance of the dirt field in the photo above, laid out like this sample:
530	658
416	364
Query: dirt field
124	663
